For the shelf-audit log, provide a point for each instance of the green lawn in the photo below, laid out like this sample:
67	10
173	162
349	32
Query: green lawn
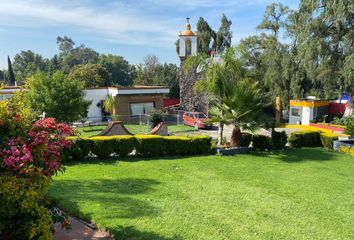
133	128
295	194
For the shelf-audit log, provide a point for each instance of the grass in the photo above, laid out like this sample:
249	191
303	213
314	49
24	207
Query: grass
133	128
295	194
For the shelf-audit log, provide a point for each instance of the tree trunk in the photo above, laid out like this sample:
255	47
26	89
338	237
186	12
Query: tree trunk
236	137
220	133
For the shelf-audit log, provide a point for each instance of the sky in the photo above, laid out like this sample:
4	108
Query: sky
130	28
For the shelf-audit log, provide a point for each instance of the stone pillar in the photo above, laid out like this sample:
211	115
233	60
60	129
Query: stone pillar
189	100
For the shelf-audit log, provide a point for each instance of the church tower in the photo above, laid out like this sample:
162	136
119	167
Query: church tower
187	46
187	42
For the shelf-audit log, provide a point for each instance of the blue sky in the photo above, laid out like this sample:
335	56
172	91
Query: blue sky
129	28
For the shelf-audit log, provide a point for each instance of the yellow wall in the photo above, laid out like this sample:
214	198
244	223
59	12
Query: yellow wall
308	103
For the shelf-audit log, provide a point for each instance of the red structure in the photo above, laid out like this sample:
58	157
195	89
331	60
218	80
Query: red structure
336	108
327	127
170	102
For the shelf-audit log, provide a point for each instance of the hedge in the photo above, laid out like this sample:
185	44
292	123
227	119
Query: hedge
305	138
279	139
149	145
175	145
200	144
261	142
80	148
246	139
327	140
144	145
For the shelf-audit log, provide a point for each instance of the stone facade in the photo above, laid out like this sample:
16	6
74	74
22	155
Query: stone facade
189	100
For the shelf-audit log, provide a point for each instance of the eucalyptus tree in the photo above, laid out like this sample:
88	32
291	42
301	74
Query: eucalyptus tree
324	33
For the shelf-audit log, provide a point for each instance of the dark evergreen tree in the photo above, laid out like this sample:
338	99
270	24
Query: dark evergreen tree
2	77
224	35
206	37
10	73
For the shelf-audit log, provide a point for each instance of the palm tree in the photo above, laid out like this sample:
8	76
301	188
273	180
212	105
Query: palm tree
217	75
110	104
241	106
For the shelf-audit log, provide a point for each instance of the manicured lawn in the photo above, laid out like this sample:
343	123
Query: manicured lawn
295	194
133	128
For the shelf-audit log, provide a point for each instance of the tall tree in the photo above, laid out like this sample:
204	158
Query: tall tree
122	73
148	72
270	60
71	55
206	37
324	29
10	73
54	64
216	77
169	77
66	44
2	76
152	72
57	96
91	75
224	34
26	63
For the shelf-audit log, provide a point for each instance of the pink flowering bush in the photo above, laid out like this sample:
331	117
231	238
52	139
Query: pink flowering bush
30	153
39	151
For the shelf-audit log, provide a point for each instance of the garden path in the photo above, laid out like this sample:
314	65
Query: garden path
228	131
80	231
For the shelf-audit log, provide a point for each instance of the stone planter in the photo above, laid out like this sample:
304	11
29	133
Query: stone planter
232	151
345	143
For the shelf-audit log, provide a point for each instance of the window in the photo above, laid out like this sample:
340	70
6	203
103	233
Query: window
188	44
200	115
295	112
141	108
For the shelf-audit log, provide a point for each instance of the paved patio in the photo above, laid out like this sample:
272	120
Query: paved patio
80	231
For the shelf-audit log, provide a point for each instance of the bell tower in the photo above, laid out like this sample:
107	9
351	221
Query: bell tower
187	42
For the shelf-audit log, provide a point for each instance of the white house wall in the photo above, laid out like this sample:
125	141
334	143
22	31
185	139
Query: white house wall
96	96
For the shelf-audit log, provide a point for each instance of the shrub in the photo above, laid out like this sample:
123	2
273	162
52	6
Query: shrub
279	139
305	138
327	140
261	142
30	154
149	145
349	129
156	117
102	146
347	150
177	145
246	139
200	144
22	215
80	148
123	145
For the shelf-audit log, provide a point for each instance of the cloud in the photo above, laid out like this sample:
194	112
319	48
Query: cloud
121	23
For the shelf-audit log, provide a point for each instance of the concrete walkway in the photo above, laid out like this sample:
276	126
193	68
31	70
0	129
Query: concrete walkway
228	131
80	231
